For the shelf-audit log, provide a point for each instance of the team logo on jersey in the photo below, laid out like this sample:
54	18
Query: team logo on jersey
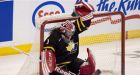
46	8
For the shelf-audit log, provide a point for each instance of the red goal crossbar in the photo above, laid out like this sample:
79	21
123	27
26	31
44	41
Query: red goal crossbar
95	16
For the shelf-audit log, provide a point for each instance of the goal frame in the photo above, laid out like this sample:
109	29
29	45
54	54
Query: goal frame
95	16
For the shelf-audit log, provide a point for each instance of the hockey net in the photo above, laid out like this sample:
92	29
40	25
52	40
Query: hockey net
105	38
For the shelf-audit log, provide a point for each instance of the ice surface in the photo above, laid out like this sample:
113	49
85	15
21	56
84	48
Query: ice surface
10	65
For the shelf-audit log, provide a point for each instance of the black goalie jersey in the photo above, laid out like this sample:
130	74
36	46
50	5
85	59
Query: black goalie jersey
56	43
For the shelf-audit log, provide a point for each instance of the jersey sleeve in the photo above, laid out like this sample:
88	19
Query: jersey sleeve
81	25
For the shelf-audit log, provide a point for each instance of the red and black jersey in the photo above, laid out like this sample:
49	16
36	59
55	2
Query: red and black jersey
56	43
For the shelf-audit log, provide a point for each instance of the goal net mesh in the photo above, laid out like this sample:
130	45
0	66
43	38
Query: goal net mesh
31	64
105	38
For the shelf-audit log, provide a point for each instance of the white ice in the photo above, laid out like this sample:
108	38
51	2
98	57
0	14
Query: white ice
11	65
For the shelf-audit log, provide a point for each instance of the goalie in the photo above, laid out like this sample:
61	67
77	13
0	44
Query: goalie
60	38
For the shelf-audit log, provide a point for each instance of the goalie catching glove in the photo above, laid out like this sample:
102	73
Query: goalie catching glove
84	10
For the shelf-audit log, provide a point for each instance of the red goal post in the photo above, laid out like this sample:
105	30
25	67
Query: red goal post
95	16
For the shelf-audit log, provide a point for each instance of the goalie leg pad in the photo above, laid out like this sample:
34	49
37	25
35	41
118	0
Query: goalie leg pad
87	70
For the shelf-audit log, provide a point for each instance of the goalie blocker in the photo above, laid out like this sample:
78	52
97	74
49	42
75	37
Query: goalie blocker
84	9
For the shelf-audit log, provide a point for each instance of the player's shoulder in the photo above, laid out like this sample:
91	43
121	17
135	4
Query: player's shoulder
55	34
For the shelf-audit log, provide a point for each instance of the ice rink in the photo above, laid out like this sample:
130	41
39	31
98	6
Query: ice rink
11	65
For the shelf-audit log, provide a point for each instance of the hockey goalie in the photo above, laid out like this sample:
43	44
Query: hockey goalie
61	61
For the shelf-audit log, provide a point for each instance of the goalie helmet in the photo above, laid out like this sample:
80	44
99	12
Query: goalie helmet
68	29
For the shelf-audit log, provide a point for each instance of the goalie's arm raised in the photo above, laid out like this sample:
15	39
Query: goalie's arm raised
81	25
85	11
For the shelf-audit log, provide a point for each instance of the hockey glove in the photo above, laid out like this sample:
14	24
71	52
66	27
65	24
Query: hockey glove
84	10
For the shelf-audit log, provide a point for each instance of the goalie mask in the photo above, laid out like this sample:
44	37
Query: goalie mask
68	29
